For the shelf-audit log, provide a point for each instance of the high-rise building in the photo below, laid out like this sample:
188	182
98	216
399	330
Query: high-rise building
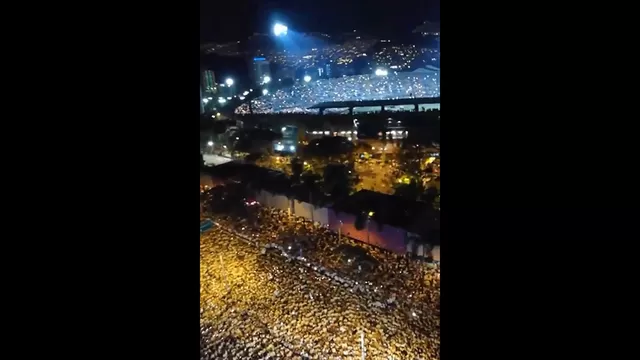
261	71
208	82
327	70
201	103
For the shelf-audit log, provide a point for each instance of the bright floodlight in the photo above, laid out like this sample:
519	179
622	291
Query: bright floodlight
381	72
229	81
307	78
267	79
279	29
265	91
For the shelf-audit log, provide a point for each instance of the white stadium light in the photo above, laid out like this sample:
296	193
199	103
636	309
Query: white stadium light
279	29
307	78
382	72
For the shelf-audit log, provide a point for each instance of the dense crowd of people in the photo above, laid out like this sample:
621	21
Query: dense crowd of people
301	96
266	295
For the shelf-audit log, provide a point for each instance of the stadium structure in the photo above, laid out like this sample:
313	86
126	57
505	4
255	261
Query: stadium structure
303	97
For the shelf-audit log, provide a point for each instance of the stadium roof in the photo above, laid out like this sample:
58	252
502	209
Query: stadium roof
426	69
428	27
344	104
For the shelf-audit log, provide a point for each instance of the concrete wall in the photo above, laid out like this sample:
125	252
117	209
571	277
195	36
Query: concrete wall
309	212
436	253
275	201
390	238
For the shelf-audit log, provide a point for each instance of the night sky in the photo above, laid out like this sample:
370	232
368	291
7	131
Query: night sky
236	19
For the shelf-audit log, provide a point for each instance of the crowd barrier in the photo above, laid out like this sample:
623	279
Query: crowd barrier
205	225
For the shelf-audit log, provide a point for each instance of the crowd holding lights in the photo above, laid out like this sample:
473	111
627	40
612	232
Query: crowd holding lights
275	286
396	57
301	96
336	53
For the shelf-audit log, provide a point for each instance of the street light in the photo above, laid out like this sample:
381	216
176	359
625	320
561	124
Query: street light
222	100
369	215
279	29
267	79
209	143
265	91
307	78
229	81
205	100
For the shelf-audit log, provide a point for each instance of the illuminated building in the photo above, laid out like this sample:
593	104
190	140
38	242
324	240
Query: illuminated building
208	83
261	72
